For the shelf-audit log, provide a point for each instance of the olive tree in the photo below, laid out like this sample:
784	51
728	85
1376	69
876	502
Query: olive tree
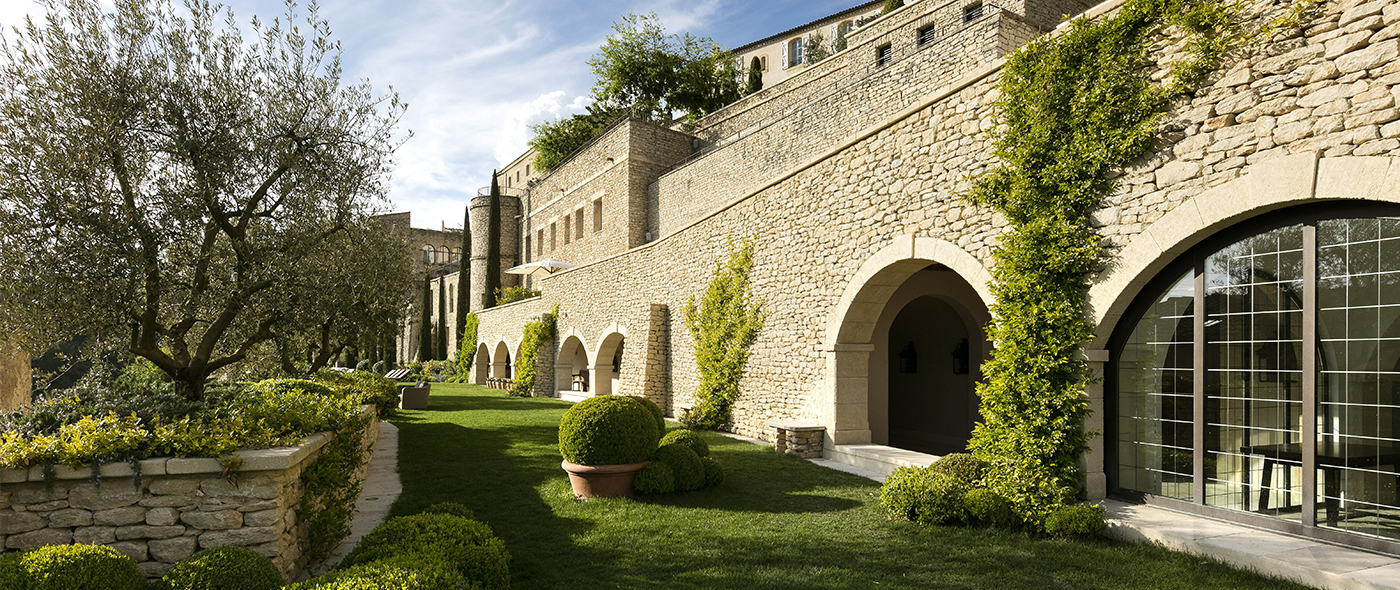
166	181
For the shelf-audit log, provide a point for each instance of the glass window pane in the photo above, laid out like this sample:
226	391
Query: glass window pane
1253	372
1359	376
1155	403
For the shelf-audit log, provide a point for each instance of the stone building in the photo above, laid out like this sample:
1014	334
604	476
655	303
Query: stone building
1248	313
439	254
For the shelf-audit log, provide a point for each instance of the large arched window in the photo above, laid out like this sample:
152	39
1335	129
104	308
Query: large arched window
1258	377
429	254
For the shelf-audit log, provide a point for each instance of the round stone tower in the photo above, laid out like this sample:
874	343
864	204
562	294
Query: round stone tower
510	242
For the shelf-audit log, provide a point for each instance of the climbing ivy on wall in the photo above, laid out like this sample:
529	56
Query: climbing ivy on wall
1076	106
466	345
724	324
537	333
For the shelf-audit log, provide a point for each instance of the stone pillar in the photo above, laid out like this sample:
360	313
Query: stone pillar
655	365
848	371
1092	462
15	378
545	369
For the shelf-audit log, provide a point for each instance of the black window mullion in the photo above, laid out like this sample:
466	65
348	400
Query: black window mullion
1309	425
1198	385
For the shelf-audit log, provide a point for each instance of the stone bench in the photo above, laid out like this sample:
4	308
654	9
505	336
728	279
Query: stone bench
803	439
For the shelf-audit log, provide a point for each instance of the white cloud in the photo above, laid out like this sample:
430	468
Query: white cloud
515	130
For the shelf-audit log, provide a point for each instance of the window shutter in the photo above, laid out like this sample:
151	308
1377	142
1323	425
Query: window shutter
785	54
833	37
802	55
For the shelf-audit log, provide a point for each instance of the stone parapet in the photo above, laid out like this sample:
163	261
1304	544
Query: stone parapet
176	507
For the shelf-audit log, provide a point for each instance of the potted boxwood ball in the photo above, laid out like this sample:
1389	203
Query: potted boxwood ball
605	441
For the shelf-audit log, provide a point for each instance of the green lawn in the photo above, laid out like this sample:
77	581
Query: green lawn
776	522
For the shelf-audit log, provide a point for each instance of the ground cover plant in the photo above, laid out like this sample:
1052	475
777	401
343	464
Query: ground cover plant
775	522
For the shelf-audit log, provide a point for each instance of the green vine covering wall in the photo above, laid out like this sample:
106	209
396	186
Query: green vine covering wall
1076	106
466	345
724	324
537	334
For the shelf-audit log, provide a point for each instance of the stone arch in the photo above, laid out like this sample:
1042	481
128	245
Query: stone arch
607	374
1269	186
571	362
502	361
481	365
852	326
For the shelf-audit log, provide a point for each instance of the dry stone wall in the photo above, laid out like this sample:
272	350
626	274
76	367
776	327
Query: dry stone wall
844	95
1330	87
174	509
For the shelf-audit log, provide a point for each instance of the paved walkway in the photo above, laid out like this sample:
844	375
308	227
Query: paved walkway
380	489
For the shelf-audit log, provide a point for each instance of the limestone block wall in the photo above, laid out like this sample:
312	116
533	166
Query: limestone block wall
835	99
593	205
175	508
1330	89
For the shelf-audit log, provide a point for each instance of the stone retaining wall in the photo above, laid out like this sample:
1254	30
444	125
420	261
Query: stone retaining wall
176	507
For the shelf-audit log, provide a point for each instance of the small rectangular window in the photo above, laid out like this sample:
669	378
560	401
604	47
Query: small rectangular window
598	215
578	224
926	35
763	63
568	219
539	243
972	13
553	236
527	170
884	55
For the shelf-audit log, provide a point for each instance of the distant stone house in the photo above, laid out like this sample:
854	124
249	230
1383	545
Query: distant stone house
1248	316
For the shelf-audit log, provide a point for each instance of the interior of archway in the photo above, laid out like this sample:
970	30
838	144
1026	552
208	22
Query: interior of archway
928	346
574	357
500	363
607	370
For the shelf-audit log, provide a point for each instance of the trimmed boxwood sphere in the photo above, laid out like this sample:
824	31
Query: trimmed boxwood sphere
467	545
223	568
655	478
608	430
714	473
690	439
684	464
76	567
655	413
405	572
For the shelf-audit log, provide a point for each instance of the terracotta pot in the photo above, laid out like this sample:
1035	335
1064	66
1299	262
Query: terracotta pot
602	481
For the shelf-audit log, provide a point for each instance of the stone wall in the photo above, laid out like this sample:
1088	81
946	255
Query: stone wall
837	98
176	507
820	225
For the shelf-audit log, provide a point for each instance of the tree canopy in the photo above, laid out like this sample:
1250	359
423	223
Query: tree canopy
642	72
164	180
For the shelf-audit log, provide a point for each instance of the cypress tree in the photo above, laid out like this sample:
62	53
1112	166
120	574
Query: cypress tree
425	332
464	275
755	76
493	247
442	318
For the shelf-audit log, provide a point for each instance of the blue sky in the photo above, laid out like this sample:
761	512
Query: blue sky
476	74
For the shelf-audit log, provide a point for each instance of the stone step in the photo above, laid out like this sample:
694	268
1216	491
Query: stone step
879	458
574	396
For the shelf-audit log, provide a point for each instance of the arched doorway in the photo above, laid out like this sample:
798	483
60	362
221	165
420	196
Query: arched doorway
481	365
571	370
944	289
607	368
932	404
928	348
